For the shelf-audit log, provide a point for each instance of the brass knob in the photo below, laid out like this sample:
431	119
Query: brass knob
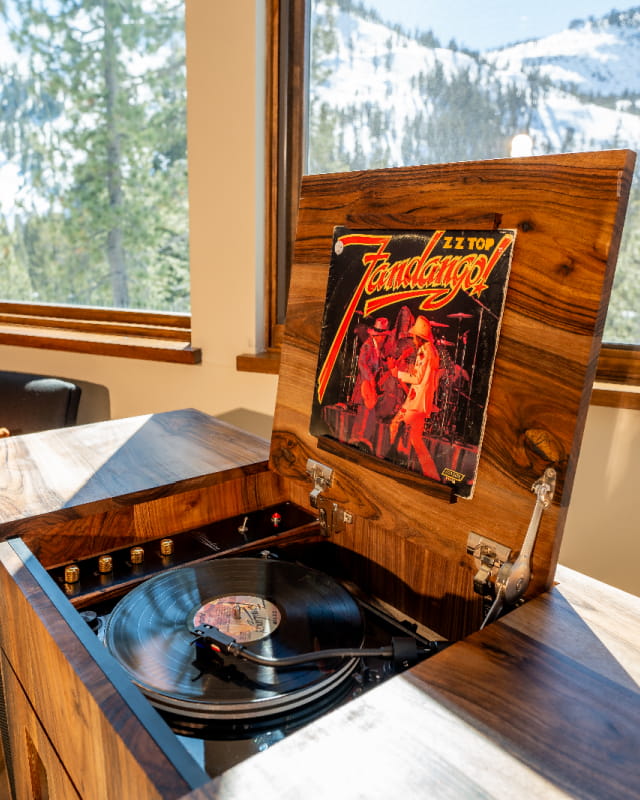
105	564
166	547
137	555
72	573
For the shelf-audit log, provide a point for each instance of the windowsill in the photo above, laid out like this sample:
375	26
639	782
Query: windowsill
616	396
102	345
110	332
267	362
617	377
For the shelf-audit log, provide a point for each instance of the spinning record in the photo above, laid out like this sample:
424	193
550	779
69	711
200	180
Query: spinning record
275	608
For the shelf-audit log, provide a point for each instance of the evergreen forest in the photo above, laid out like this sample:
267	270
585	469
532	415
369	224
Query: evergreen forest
93	153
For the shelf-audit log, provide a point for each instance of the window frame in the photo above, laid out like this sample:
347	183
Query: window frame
284	146
131	333
149	335
618	370
161	336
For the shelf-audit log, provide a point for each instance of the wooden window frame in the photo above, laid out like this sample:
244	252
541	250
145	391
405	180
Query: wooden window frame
618	377
153	336
130	333
160	336
284	145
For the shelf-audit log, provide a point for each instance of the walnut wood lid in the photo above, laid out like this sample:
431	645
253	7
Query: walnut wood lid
568	212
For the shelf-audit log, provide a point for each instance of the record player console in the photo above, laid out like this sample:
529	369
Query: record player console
172	613
234	644
178	594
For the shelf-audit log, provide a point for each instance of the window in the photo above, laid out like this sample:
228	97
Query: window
555	92
94	218
458	104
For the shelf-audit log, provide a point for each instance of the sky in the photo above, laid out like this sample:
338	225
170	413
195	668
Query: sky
481	27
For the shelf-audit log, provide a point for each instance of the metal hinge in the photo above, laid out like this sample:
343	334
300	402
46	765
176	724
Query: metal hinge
488	556
332	518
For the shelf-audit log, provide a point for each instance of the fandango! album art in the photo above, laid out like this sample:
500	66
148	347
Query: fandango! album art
409	337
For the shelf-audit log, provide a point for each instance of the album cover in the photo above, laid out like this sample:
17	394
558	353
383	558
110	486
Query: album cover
409	336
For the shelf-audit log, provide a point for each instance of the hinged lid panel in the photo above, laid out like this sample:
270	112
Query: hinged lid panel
567	211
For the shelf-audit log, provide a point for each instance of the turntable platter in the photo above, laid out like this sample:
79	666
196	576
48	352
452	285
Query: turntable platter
279	608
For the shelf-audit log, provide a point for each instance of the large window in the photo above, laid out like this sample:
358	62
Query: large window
381	93
93	165
381	88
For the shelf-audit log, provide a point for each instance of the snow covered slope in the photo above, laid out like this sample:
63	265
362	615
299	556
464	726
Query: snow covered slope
577	89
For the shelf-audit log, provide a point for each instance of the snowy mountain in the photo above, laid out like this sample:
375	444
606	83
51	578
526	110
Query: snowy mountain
593	57
394	98
593	71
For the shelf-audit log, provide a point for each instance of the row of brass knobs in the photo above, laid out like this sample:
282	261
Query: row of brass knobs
105	563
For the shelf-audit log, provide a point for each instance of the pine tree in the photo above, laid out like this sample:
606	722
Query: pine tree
101	130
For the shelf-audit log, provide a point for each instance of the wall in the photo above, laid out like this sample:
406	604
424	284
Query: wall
602	533
225	87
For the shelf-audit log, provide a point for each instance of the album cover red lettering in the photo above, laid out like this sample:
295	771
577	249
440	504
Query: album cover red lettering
409	337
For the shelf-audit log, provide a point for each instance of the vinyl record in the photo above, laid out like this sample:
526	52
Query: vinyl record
274	608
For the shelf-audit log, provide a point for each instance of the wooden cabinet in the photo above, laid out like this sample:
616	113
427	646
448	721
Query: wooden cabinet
545	700
38	771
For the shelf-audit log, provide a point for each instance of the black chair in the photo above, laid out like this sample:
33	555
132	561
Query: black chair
30	403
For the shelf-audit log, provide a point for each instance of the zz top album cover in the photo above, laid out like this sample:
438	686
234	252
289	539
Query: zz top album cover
409	336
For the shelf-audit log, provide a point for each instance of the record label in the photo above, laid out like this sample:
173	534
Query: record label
245	617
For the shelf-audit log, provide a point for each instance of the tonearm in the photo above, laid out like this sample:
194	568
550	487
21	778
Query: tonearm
513	576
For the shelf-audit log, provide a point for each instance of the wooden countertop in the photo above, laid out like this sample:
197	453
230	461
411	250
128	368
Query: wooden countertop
87	469
544	703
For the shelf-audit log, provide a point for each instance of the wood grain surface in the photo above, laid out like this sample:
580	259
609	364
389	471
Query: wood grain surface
55	541
96	726
568	212
543	704
46	775
135	472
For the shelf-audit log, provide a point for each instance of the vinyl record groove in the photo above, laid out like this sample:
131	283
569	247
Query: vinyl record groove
275	608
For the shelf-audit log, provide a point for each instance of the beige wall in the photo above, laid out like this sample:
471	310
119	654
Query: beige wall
602	534
225	62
